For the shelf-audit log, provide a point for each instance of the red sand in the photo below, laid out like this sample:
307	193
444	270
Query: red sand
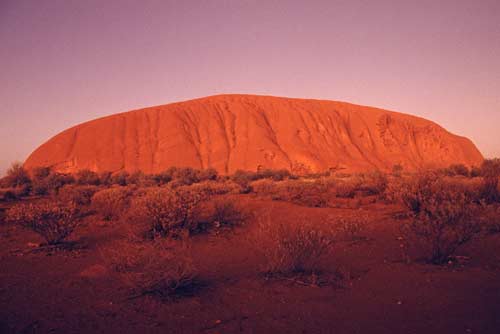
73	292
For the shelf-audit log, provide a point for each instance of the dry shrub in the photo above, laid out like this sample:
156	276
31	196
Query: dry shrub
457	170
113	202
307	193
491	219
212	188
345	189
226	214
54	221
265	187
443	218
153	268
50	184
78	195
168	211
293	248
373	183
8	195
16	176
489	191
87	177
349	228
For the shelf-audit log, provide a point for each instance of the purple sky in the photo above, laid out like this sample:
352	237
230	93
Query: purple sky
63	62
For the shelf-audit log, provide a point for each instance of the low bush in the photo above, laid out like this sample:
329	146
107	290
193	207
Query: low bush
212	188
345	188
168	211
397	170
87	177
491	219
307	193
490	168
350	228
292	248
489	191
373	183
78	195
8	196
153	268
16	176
112	203
119	178
457	170
226	214
442	218
52	220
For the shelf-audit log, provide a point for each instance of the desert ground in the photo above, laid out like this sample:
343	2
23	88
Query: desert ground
253	253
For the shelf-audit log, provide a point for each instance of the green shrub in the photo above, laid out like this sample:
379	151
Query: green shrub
52	220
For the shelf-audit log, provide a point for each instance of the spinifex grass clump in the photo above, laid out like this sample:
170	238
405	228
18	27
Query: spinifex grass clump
54	221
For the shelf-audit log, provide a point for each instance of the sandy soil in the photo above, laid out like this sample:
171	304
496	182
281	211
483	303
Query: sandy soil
74	292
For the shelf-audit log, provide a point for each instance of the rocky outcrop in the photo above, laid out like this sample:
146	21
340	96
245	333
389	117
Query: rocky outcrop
230	132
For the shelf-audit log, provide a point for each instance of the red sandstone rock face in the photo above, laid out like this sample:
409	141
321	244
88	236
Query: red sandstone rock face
230	132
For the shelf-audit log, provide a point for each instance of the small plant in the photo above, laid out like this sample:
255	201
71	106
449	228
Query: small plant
120	178
345	189
78	195
397	170
227	214
16	176
168	211
87	177
351	228
154	268
457	170
443	219
112	203
293	248
53	221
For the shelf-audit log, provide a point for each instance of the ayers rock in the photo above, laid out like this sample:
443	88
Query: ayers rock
231	132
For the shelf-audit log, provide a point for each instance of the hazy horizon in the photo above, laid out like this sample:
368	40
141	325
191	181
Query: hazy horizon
67	62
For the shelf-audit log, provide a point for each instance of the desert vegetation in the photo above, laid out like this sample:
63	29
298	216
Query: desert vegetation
54	221
166	225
